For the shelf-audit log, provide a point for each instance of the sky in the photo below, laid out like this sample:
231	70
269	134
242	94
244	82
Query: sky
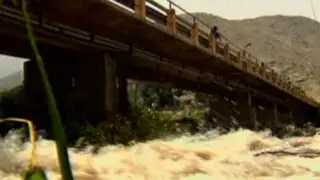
228	9
243	9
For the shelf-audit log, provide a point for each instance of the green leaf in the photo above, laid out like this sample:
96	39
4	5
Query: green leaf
15	2
57	127
35	174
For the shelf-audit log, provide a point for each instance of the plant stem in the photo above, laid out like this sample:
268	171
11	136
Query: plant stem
57	127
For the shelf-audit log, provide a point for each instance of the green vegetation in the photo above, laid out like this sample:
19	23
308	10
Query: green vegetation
145	122
170	117
155	112
11	102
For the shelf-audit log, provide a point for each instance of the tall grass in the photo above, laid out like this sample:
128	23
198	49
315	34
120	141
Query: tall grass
57	127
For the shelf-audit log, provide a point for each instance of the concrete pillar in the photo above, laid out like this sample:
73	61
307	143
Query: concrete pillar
123	101
140	8
59	74
33	91
195	33
171	21
290	116
275	109
249	100
252	112
212	44
110	88
254	117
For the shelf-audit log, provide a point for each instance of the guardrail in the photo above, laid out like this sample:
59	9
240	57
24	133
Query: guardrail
226	42
199	32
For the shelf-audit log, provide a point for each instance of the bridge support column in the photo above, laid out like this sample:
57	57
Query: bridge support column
123	101
275	111
171	21
252	112
195	33
59	70
110	88
140	8
290	116
212	44
254	116
32	86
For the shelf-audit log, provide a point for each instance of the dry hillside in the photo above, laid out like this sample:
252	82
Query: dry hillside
288	44
11	80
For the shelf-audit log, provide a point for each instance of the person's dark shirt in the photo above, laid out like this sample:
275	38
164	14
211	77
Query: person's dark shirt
215	33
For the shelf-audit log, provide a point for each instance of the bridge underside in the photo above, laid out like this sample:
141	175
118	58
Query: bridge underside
98	89
109	20
92	79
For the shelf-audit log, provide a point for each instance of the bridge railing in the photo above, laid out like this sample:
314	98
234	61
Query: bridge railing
204	31
192	28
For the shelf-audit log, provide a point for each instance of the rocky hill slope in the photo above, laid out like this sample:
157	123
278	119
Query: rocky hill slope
287	44
11	80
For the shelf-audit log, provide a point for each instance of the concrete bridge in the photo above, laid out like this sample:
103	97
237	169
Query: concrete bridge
91	48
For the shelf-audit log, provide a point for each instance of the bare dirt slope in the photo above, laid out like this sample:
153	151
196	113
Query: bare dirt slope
12	80
288	44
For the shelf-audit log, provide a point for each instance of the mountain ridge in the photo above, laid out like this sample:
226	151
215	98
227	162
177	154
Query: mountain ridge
288	44
12	80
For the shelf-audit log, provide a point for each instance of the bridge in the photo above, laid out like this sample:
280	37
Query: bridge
91	48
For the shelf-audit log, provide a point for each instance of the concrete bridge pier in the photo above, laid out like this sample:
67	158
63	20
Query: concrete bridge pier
59	73
290	116
86	86
34	95
263	113
284	115
110	84
234	110
247	111
275	112
123	97
252	112
116	83
101	82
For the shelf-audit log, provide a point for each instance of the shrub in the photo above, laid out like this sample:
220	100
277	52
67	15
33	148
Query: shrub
11	105
11	102
143	124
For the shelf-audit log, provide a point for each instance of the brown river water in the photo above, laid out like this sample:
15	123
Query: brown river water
211	156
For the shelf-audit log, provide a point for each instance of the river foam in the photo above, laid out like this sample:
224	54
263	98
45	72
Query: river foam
199	157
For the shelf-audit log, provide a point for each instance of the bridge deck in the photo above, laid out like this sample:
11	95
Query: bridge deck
107	19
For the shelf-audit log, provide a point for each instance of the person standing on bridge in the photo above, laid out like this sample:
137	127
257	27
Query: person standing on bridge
215	34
